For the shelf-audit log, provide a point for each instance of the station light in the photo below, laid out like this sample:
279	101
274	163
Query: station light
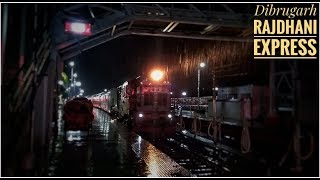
81	91
60	82
105	90
78	28
78	83
202	64
184	93
71	63
75	75
216	88
169	116
140	115
156	75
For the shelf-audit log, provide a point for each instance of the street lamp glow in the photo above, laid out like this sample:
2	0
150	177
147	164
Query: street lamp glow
81	91
105	90
156	75
75	75
202	64
184	93
71	63
78	83
216	88
60	82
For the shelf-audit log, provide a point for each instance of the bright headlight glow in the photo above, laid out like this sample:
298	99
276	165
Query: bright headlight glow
169	116
156	75
140	115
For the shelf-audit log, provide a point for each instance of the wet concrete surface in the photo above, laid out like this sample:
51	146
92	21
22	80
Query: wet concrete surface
109	150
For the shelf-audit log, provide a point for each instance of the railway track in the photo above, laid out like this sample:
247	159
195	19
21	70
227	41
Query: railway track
205	160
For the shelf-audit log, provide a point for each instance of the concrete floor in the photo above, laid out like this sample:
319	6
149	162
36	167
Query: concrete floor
109	151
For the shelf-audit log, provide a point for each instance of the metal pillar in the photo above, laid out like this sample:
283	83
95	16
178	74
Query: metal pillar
4	32
271	88
22	43
295	115
214	105
198	88
290	78
72	83
45	116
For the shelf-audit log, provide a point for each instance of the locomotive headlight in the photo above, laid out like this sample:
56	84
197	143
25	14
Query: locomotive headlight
169	116
140	115
156	75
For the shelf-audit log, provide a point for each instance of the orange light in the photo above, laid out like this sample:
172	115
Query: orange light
156	75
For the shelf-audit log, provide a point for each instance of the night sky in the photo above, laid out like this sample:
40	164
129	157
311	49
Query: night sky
112	63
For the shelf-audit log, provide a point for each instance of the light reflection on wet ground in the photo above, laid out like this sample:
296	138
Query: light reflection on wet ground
112	151
104	153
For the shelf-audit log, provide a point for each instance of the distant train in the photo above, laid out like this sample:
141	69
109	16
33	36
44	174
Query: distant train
142	102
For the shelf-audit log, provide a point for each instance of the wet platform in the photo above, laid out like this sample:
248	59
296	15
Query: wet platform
109	150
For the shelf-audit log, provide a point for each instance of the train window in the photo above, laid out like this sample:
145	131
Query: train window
148	99
232	96
162	99
245	95
139	100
